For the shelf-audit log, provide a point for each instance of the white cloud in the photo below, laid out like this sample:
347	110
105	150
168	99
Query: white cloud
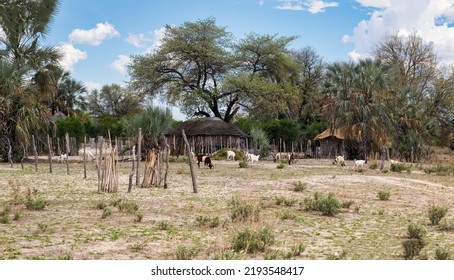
433	21
294	5
71	56
261	2
121	64
136	40
94	36
92	85
316	6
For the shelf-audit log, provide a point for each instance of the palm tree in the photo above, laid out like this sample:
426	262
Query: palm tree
359	102
24	24
153	121
69	96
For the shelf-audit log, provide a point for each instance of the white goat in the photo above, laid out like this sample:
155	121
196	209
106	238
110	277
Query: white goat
339	160
360	163
63	158
230	155
253	158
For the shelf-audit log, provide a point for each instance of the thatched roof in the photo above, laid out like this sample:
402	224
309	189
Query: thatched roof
206	127
338	133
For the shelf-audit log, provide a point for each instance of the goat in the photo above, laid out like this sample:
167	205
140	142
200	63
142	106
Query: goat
63	158
253	158
230	154
339	160
89	156
360	163
205	159
291	158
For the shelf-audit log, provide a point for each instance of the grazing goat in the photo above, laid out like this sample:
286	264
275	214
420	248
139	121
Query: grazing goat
291	158
360	163
205	159
252	158
230	155
339	160
63	158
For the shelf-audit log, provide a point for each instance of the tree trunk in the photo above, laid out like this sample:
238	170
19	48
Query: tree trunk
191	167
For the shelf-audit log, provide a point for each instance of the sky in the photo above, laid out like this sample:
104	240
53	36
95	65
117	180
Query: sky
98	37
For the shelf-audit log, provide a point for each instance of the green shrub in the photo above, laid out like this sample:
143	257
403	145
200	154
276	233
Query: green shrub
298	249
164	225
299	186
384	195
412	248
439	170
442	254
373	165
251	241
329	206
186	253
280	165
436	213
33	201
242	211
138	218
278	255
415	231
399	167
243	164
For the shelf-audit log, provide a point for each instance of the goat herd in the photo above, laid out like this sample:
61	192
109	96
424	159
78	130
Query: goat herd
289	157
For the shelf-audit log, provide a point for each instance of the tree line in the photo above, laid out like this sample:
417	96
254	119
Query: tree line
401	96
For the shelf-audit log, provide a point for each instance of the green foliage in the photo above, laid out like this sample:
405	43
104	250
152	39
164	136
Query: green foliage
128	207
284	129
436	213
442	254
373	165
106	124
415	231
329	205
186	253
164	225
228	255
33	201
440	170
241	210
285	200
106	213
243	164
207	221
5	214
412	248
347	203
280	165
384	195
73	126
152	120
299	186
260	139
399	167
251	241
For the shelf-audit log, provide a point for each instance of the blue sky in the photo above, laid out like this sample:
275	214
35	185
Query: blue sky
98	36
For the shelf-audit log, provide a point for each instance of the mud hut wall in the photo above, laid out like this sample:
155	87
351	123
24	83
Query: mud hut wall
330	147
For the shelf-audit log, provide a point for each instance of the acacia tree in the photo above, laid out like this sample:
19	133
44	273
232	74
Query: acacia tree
200	69
357	102
414	67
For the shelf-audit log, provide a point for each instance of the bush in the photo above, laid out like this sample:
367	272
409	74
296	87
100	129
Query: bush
242	211
299	186
251	241
436	213
329	206
373	165
106	213
412	248
383	195
243	164
415	231
442	254
347	204
439	170
186	253
128	207
399	167
280	166
228	255
33	202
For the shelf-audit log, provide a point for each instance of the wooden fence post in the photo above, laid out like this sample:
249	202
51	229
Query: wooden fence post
67	153
35	153
85	157
49	146
139	155
191	167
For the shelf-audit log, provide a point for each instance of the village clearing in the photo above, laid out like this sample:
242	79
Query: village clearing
77	222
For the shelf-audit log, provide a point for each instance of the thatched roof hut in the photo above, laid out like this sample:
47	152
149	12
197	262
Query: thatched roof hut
330	143
206	135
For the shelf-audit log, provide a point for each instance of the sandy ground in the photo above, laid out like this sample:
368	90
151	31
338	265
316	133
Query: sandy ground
72	227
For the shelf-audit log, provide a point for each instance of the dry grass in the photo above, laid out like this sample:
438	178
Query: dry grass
72	225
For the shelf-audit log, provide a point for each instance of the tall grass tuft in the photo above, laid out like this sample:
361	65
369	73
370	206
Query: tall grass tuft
251	241
243	211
